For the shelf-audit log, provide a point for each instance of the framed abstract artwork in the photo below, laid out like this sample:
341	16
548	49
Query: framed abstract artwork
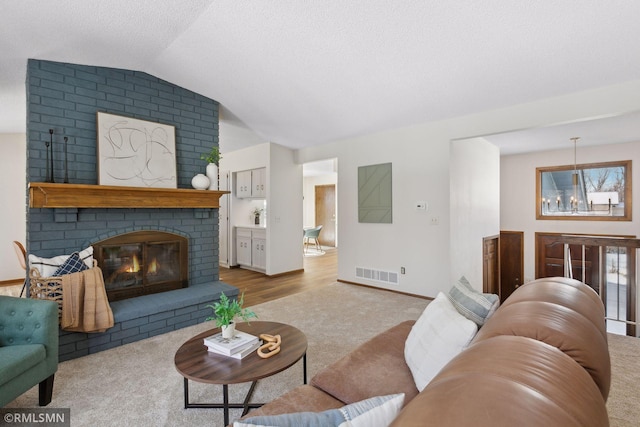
374	194
135	153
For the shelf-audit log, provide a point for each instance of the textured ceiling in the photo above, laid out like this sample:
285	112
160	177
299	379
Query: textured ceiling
301	73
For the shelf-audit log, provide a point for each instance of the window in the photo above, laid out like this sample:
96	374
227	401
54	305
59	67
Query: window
594	191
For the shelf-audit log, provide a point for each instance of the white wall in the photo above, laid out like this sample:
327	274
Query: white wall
421	171
475	204
13	189
518	195
284	230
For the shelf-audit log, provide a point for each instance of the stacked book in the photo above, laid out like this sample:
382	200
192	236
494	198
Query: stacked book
241	345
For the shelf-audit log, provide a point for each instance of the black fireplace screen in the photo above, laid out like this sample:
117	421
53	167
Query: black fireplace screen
142	263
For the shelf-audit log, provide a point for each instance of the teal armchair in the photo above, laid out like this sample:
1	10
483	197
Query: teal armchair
28	347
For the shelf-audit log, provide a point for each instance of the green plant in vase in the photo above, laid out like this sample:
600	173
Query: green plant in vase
256	214
226	311
212	156
213	159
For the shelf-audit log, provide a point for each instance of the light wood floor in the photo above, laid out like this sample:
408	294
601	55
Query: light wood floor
319	271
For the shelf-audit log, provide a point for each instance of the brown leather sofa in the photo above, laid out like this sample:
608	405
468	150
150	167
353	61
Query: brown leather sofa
541	360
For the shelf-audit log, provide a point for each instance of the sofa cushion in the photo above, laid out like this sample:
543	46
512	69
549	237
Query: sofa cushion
558	326
508	381
438	335
472	304
17	359
357	376
566	292
377	411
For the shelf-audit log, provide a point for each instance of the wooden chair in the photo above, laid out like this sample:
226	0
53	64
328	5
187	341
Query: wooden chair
21	253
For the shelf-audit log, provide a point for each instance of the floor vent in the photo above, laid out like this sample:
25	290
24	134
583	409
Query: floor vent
377	275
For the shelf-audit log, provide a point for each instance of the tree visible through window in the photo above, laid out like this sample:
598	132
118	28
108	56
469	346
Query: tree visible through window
597	191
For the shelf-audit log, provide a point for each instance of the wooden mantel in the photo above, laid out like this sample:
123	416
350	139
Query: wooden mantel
54	195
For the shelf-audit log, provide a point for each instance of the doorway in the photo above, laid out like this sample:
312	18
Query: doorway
320	201
503	263
511	262
325	197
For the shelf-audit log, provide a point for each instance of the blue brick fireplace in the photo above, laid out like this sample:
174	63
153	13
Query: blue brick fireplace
65	98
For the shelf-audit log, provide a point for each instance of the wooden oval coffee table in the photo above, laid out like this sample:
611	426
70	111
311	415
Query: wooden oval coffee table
195	362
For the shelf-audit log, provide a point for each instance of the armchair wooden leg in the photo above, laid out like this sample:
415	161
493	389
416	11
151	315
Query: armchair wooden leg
45	391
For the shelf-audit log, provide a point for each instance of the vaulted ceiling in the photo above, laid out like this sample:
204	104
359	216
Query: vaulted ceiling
301	73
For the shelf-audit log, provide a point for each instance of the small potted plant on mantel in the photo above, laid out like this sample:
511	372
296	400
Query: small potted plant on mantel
213	161
226	310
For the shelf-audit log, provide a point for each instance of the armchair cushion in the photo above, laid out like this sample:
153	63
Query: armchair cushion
28	347
18	358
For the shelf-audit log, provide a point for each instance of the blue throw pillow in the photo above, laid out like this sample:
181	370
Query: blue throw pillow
377	411
73	264
473	305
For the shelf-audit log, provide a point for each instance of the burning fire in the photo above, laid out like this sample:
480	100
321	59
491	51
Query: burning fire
135	265
153	267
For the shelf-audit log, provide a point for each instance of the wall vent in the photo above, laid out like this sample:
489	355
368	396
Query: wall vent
377	275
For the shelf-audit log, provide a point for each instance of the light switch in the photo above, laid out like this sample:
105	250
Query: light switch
421	206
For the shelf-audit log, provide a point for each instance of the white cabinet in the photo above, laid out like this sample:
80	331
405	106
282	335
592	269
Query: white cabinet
243	246
251	248
251	183
258	182
258	249
243	184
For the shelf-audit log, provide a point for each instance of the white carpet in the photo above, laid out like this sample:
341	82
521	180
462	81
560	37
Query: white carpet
138	385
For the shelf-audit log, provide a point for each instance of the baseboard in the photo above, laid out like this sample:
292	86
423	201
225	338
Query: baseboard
12	282
384	289
286	273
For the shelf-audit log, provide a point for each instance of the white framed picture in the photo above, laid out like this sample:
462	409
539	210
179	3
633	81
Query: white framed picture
135	153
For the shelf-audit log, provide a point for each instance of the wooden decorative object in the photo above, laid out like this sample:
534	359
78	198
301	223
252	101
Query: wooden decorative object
52	195
271	346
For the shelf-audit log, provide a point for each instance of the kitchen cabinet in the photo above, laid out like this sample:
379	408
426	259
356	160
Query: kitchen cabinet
243	246
251	183
251	248
258	182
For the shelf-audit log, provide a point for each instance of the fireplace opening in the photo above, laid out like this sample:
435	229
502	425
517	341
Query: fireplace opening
142	263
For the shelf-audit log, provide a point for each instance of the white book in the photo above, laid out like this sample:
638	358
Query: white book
229	346
241	354
235	350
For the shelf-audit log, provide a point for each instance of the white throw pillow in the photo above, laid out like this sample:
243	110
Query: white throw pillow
438	336
48	266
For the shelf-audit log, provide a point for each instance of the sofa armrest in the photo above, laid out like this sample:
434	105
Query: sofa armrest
30	321
375	368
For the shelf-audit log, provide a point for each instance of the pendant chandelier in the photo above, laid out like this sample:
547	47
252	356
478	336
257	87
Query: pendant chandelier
574	199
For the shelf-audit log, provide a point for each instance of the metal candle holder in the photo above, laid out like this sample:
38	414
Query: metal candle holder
49	163
66	168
